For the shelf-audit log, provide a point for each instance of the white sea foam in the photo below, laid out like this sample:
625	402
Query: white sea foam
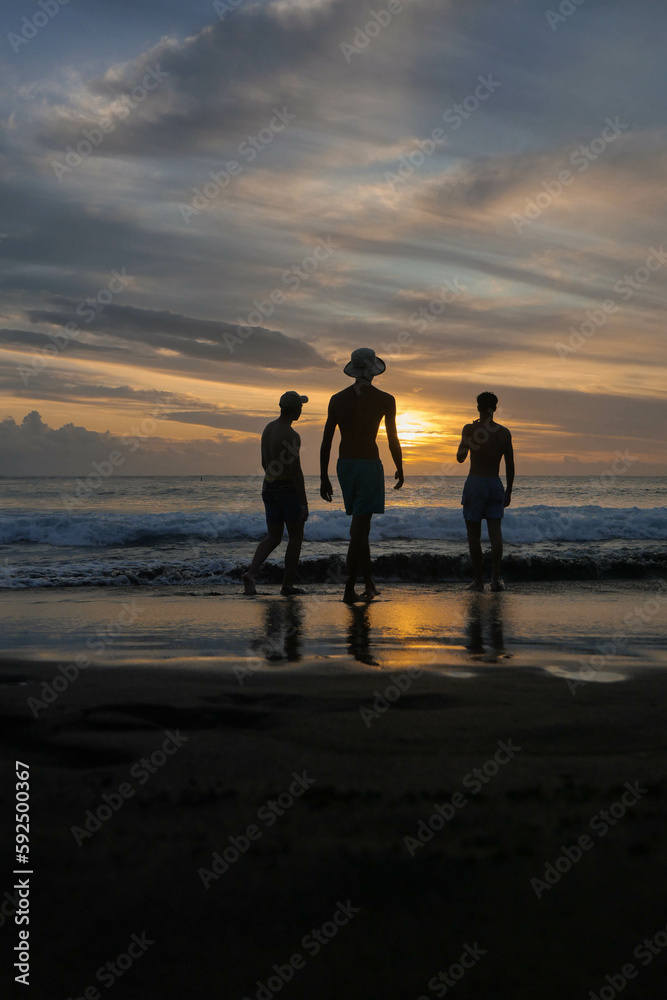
525	525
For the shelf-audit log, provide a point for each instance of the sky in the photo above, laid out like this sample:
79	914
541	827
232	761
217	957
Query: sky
204	205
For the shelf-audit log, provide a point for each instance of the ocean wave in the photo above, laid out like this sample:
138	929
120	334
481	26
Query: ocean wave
590	563
539	523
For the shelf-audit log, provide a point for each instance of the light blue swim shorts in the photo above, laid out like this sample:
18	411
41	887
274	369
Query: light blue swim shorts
362	483
483	497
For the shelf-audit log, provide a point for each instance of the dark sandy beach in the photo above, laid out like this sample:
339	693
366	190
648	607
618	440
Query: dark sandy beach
190	758
333	500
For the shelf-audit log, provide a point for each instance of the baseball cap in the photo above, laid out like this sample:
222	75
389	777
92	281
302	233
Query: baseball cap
291	399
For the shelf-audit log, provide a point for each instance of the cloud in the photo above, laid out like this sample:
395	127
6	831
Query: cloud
222	419
324	176
221	82
75	389
161	330
32	448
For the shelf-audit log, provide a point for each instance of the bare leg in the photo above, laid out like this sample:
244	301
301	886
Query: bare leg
475	546
295	530
271	541
359	529
496	539
370	591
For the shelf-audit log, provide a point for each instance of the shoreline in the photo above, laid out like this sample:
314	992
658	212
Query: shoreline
610	624
407	561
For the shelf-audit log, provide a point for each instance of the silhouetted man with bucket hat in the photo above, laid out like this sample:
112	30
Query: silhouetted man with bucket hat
358	411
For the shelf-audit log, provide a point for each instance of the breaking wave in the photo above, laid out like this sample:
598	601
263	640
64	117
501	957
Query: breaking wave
523	525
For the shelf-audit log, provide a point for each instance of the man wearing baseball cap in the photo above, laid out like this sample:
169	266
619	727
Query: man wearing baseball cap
283	493
358	411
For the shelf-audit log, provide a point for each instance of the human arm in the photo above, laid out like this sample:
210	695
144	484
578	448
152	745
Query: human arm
509	469
394	443
264	449
326	491
297	477
464	446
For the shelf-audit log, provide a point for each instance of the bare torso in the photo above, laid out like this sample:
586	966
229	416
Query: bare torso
280	447
487	442
359	411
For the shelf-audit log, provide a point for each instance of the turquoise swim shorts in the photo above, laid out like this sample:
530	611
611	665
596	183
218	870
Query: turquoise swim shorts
362	483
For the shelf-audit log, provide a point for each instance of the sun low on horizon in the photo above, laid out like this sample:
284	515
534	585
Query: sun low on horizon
252	215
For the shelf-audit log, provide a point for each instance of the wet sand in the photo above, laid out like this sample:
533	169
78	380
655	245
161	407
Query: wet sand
199	757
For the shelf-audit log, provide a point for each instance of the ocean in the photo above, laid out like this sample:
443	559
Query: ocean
151	531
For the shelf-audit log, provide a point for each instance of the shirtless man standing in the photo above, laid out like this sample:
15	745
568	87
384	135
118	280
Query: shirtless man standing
283	493
358	412
483	494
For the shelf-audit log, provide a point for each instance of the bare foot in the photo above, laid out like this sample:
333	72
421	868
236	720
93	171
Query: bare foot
249	584
498	585
370	592
292	592
476	586
350	596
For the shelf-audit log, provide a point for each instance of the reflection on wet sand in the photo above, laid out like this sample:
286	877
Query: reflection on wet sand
283	632
359	634
281	637
485	616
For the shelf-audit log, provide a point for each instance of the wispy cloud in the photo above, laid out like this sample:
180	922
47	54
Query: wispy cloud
170	338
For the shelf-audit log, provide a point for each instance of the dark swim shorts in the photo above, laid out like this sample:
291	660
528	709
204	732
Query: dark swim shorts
362	484
483	497
281	501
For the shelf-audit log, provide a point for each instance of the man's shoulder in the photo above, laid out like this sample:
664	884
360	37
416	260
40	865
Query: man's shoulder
290	433
343	392
386	397
370	393
337	402
503	434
